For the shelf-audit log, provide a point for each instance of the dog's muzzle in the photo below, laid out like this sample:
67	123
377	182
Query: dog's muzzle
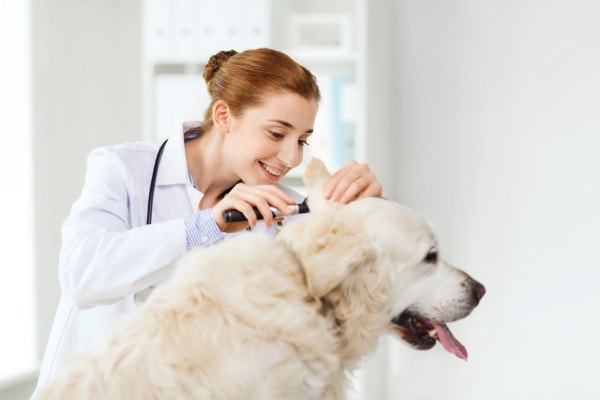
423	333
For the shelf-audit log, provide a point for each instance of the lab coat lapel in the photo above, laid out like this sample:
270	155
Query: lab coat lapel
172	195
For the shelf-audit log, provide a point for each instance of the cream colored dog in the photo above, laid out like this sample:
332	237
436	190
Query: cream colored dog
254	318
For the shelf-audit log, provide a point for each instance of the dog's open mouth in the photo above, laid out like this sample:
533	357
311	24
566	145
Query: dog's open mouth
423	334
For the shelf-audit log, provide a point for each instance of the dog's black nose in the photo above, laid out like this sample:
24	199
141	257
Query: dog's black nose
478	290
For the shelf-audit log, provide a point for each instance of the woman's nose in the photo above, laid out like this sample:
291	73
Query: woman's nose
290	154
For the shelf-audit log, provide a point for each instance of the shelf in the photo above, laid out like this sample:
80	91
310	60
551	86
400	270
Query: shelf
323	36
313	57
324	56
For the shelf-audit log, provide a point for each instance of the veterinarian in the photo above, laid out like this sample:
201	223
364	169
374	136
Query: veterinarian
145	205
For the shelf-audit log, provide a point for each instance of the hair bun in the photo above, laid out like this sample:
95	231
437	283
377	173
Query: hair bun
215	62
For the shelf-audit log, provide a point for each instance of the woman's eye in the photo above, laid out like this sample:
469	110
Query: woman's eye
276	135
303	143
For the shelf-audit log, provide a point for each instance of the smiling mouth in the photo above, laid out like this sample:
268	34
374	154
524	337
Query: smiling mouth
423	334
270	170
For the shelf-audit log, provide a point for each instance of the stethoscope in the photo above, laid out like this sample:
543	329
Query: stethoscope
187	136
229	215
153	181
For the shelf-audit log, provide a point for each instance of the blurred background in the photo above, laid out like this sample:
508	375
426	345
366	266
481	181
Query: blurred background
483	115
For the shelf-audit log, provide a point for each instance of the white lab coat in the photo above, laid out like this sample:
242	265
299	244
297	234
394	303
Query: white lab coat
109	256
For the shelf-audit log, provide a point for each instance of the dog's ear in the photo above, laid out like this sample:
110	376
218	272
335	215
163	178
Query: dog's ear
328	244
316	176
329	248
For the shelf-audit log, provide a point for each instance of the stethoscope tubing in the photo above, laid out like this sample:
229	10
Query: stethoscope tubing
153	181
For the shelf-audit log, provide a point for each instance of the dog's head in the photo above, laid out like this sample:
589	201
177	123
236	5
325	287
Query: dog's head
376	264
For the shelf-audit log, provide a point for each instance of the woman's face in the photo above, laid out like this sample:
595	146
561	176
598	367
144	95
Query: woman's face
267	141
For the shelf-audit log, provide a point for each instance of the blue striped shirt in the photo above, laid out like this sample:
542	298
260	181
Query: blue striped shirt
201	230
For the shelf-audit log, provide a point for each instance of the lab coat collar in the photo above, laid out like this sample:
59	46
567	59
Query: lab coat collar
173	165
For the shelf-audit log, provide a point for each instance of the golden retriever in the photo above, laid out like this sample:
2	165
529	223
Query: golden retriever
253	318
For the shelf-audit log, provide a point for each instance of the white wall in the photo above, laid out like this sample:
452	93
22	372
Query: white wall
380	97
498	124
87	92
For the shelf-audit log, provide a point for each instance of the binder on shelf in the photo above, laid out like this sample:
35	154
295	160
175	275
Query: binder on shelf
197	29
344	120
333	140
322	33
185	28
158	29
321	140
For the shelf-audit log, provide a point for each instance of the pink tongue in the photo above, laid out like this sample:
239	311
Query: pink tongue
449	341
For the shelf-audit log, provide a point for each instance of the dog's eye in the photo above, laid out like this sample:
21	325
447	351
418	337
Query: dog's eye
431	257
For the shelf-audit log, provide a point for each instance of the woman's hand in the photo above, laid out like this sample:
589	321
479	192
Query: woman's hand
243	197
351	182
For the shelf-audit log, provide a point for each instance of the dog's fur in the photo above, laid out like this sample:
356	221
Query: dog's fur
253	318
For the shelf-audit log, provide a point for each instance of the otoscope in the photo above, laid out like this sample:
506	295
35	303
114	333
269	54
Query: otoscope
237	216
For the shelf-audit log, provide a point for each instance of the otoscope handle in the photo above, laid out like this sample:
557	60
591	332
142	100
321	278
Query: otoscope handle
237	216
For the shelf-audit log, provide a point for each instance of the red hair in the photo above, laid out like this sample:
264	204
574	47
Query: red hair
244	79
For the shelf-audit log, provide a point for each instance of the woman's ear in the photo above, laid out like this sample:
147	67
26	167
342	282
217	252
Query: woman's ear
221	114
